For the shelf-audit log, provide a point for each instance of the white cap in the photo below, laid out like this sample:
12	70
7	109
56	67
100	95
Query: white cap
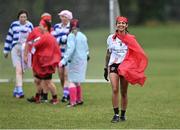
66	13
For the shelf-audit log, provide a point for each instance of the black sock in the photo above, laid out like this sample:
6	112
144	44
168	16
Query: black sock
116	111
123	113
54	96
37	95
45	96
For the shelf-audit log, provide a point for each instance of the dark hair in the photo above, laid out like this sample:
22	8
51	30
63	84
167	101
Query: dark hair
23	11
48	23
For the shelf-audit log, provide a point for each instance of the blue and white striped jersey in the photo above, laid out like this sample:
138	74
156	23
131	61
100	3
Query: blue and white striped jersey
17	34
60	33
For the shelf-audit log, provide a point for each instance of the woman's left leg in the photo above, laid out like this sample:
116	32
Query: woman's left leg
124	97
79	94
19	82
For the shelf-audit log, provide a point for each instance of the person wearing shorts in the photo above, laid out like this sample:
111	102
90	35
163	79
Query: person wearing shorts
15	43
61	31
32	38
125	63
46	56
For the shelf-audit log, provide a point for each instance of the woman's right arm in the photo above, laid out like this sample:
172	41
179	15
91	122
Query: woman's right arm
107	58
8	42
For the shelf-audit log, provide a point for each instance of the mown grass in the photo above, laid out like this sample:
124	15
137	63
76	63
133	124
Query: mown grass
154	106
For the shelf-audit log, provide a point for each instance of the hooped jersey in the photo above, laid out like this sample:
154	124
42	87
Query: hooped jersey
118	50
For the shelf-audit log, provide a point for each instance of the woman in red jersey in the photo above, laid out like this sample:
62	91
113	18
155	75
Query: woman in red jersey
125	63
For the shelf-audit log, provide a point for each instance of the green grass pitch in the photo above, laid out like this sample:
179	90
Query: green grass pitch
155	106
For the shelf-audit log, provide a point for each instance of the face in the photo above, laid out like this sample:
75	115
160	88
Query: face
121	26
74	30
42	28
23	18
64	20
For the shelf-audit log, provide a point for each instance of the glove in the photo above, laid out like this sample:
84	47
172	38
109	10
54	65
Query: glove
106	74
88	58
6	55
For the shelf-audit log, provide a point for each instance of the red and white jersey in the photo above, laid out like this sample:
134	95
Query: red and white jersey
117	48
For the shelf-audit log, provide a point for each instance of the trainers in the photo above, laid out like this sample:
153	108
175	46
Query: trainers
14	94
79	103
64	99
19	95
54	101
123	118
71	105
33	99
44	101
115	119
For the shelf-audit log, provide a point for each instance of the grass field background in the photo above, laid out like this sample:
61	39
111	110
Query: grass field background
156	105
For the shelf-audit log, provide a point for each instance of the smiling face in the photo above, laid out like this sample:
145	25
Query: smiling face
121	26
23	18
64	19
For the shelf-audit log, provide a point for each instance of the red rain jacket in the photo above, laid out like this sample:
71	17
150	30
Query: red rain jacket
46	56
135	62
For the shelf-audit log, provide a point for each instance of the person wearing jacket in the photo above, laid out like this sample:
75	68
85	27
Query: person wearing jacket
76	56
125	62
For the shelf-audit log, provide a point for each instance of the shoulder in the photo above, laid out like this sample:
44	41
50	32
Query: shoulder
110	38
71	35
29	24
131	36
36	30
82	35
14	23
58	25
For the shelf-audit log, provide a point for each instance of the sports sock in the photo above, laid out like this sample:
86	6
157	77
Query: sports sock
79	93
19	89
65	92
123	113
73	95
15	89
116	111
45	96
37	97
54	96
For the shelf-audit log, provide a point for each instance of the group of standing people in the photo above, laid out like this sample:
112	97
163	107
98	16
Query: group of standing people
65	47
45	48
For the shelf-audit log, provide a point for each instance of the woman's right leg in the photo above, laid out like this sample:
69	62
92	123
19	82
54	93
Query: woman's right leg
114	78
16	60
38	83
50	86
62	71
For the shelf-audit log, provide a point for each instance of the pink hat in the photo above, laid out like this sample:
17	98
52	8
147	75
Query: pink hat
66	13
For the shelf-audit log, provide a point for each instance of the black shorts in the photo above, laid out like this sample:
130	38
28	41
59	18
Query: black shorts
46	77
114	68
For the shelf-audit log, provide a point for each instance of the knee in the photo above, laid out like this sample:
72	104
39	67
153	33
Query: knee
124	95
19	72
115	90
